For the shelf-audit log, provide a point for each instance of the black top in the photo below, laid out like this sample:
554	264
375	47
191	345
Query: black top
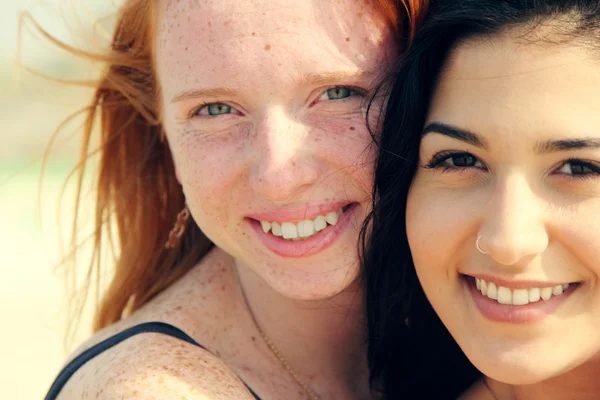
151	327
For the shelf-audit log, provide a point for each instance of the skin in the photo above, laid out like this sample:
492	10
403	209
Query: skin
284	143
538	220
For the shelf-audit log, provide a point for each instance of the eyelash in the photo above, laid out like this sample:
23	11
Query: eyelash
438	162
594	167
354	91
195	111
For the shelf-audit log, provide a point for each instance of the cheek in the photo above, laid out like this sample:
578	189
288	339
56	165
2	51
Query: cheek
436	227
207	159
207	167
576	230
347	145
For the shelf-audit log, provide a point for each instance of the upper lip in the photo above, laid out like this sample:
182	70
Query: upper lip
298	213
519	284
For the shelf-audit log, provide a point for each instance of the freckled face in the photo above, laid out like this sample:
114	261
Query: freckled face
263	107
530	185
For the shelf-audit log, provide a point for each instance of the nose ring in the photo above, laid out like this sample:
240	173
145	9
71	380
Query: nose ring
477	245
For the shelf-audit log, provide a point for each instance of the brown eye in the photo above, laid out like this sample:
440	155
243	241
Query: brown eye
462	160
578	168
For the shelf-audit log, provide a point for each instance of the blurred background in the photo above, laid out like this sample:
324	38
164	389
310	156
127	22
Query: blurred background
33	301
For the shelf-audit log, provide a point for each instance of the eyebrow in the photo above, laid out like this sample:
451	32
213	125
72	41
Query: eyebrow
544	147
307	79
455	133
196	93
322	78
553	146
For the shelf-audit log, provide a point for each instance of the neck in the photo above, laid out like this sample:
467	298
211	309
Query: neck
579	383
322	340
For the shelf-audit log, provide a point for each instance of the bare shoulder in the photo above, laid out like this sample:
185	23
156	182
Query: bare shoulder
154	366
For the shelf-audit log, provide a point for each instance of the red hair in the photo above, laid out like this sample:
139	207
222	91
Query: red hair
137	194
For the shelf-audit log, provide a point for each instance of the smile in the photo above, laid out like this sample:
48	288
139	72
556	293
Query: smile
303	232
518	297
517	302
303	229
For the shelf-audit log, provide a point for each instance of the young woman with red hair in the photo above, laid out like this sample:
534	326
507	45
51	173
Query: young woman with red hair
235	172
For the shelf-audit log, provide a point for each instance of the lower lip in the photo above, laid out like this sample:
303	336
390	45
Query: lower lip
511	314
305	247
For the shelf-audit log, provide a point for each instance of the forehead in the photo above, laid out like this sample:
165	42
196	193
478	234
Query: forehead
516	87
202	42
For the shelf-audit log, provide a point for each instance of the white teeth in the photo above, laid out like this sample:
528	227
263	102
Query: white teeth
492	291
504	295
517	297
520	297
332	218
556	290
266	226
306	228
276	229
320	223
303	229
534	295
546	293
289	230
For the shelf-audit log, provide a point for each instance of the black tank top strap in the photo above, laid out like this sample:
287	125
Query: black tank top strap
147	327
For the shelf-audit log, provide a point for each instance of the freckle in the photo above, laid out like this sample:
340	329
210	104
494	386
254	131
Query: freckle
268	47
352	128
253	339
347	39
253	33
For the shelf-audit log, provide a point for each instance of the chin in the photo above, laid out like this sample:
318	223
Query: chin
302	285
526	372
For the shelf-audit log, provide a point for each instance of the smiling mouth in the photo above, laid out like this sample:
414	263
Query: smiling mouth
521	296
305	229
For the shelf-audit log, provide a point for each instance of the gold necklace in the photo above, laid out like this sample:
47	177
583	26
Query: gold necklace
277	353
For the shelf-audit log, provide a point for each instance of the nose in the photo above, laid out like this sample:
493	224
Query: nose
514	226
285	166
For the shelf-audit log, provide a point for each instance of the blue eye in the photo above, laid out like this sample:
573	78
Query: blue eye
212	110
337	93
218	109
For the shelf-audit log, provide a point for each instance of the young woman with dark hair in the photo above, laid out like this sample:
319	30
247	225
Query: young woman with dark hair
489	177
